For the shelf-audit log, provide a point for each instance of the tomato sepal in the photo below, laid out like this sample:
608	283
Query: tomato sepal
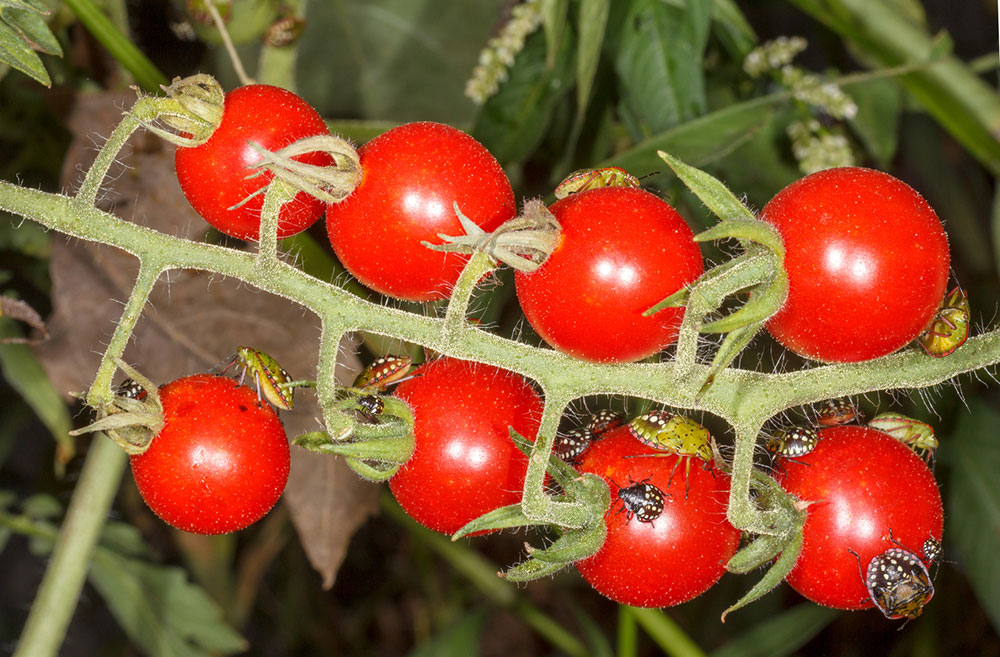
130	423
772	578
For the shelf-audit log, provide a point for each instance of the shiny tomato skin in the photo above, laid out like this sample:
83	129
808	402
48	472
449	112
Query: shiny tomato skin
867	262
213	175
412	176
679	555
219	463
464	463
621	251
861	483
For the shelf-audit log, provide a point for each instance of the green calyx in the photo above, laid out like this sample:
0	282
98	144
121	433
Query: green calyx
189	114
130	423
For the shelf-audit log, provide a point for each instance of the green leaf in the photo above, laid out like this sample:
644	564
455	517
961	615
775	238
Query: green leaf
30	22
160	610
399	60
700	141
731	28
15	52
554	22
781	635
460	639
514	120
659	62
717	197
974	503
880	103
593	21
25	374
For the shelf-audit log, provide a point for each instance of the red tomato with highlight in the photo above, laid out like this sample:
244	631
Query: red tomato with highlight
682	552
213	175
867	263
464	463
621	251
862	484
412	176
221	460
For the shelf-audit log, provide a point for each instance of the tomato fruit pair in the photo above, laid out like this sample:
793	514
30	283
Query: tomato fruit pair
621	251
213	175
867	263
674	557
412	176
219	463
862	484
464	463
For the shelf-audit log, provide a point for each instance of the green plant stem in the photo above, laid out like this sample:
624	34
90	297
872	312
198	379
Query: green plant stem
741	397
60	588
667	634
118	44
628	633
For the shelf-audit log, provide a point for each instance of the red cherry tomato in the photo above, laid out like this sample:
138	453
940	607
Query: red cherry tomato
862	484
683	551
465	463
412	177
621	251
867	263
213	175
221	460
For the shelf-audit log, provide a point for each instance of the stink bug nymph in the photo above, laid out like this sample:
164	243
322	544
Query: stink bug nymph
602	422
898	583
642	500
268	375
383	372
792	442
918	436
832	412
371	406
570	445
585	179
950	327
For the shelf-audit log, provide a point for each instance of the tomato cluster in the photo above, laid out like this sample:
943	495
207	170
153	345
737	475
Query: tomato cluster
867	264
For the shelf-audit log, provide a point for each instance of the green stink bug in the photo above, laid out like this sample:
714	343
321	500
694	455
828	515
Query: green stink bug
673	434
584	179
918	436
950	327
269	376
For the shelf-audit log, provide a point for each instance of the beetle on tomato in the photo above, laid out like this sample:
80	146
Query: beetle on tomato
219	463
867	493
668	539
867	263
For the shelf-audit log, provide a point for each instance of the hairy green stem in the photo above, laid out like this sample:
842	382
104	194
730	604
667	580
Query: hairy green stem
60	588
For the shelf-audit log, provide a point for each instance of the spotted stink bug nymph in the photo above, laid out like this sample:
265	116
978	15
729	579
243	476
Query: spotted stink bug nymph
570	445
792	442
642	500
898	583
602	422
383	372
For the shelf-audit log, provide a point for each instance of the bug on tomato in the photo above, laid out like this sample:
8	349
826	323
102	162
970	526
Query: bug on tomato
950	327
268	375
603	421
131	389
792	442
898	583
674	434
584	179
932	550
918	436
570	445
832	412
641	500
371	406
385	371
